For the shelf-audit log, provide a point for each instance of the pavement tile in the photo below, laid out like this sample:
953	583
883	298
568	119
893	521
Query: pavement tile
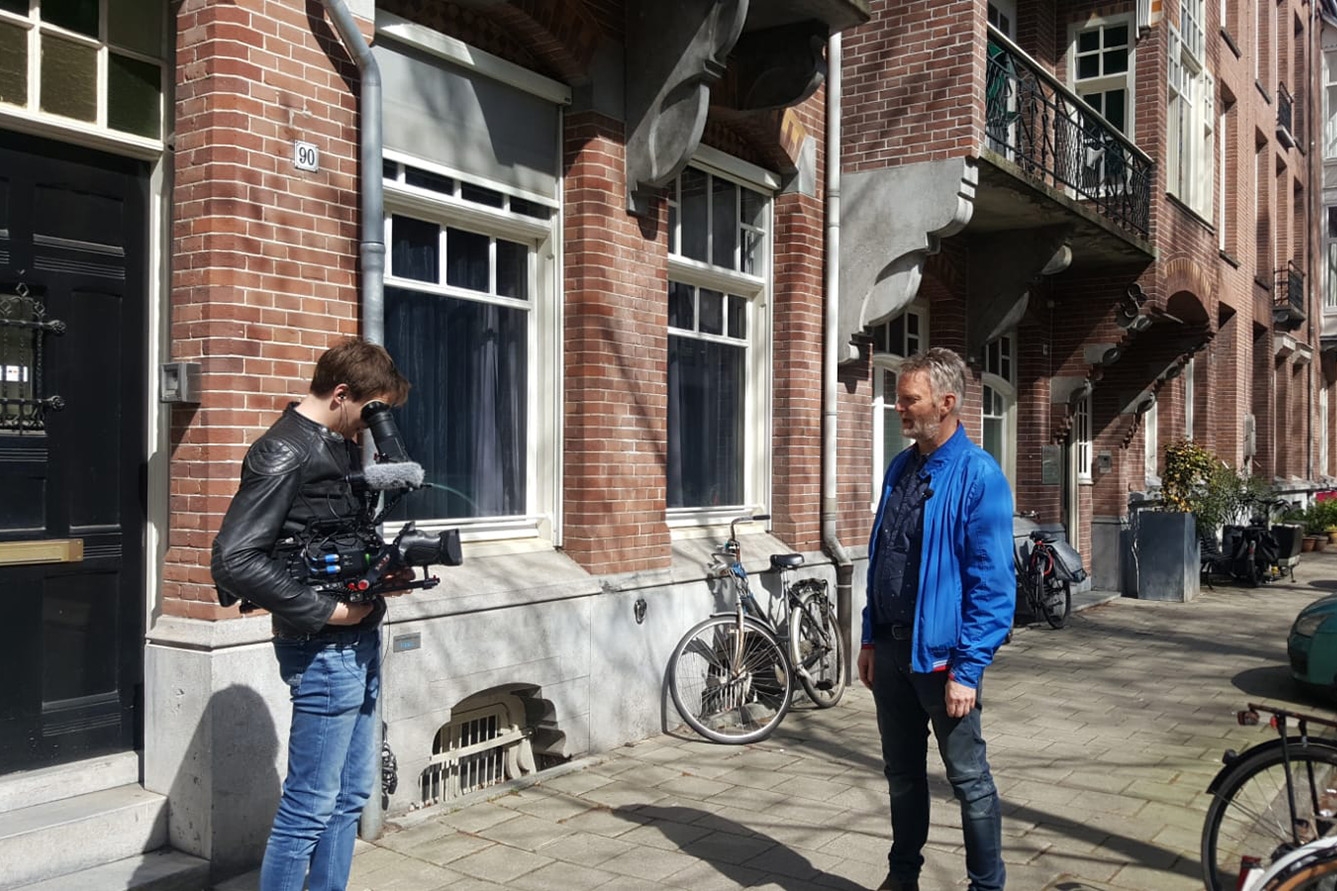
585	849
500	863
525	832
650	864
562	877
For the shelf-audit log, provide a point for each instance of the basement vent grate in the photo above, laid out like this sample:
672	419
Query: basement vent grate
479	748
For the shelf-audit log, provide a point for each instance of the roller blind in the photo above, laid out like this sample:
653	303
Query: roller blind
471	123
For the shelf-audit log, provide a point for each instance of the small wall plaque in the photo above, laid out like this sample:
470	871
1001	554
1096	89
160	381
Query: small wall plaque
406	642
305	156
1051	465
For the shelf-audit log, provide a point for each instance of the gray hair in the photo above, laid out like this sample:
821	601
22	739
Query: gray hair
945	369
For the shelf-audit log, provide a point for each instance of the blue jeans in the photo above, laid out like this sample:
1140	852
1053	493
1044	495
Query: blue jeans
335	681
907	703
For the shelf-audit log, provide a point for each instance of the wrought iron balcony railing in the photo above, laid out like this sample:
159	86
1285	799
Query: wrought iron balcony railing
1290	290
1285	119
1053	136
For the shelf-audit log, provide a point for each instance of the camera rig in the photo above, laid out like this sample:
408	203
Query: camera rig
347	558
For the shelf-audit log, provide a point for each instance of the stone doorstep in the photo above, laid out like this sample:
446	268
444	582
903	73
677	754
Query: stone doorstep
160	870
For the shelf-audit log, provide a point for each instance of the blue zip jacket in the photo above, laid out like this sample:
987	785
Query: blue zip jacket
967	584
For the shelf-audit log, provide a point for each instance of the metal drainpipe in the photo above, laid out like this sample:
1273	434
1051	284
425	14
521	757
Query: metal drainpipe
831	352
371	264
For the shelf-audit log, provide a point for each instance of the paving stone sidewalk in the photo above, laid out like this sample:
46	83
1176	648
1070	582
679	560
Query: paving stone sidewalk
1102	738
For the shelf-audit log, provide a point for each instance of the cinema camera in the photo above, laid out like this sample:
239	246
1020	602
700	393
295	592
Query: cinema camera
350	560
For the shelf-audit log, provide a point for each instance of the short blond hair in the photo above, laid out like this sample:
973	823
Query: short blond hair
946	372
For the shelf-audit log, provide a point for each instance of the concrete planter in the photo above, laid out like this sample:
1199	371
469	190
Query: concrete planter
1164	556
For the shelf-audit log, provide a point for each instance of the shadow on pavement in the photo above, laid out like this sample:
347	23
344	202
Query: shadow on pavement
727	840
1270	681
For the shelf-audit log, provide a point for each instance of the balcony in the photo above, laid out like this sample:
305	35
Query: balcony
1285	116
1058	141
1288	301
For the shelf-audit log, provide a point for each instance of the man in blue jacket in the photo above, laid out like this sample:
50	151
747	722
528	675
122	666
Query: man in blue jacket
941	595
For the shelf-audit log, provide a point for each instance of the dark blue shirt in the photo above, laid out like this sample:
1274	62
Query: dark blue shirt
899	542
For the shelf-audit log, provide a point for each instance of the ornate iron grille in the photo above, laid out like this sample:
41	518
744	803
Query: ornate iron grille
23	332
1285	112
1290	290
1056	138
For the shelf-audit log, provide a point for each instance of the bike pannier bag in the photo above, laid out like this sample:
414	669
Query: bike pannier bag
1067	562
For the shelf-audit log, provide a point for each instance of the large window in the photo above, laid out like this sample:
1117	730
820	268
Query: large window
1330	104
1330	251
1151	441
94	63
468	302
1102	75
1191	114
718	391
999	409
1081	438
893	341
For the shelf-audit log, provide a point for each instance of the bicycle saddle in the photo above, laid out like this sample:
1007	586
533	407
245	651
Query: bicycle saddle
786	561
1046	537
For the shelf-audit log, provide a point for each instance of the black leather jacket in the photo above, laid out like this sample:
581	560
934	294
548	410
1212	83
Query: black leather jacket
296	472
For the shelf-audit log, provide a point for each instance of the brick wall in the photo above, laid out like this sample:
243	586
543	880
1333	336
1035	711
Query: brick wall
616	400
913	83
264	256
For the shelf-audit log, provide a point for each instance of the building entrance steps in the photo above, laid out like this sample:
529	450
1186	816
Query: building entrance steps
1102	738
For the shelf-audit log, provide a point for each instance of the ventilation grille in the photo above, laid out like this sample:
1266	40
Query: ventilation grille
479	748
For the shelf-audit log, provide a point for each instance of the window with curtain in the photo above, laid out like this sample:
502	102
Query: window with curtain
461	301
1103	77
1151	430
717	386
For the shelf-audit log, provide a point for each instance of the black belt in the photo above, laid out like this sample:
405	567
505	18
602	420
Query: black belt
893	631
346	636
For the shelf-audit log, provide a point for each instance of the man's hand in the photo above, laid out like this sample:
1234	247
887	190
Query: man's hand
396	582
349	613
960	699
865	664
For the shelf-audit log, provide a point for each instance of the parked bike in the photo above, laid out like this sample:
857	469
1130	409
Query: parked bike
1269	801
730	677
1047	567
1260	552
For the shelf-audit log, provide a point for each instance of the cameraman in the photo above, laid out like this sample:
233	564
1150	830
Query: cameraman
328	651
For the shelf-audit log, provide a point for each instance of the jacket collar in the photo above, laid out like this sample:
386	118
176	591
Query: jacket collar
946	452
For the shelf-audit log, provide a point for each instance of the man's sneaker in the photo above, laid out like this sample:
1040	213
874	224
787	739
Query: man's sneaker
891	883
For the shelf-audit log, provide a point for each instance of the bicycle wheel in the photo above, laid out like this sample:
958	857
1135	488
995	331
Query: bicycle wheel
730	684
1250	816
1056	602
814	647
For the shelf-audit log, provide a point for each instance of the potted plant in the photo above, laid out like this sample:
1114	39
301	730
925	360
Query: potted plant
1166	552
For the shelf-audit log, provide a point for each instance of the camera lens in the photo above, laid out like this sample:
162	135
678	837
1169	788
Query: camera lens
389	442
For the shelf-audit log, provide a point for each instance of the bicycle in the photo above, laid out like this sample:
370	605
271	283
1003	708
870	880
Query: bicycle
1269	801
731	679
1046	567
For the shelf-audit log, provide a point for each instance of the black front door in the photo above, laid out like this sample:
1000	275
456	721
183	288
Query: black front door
73	392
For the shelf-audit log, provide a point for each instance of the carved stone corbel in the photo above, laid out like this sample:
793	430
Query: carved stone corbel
891	221
1004	266
674	51
774	68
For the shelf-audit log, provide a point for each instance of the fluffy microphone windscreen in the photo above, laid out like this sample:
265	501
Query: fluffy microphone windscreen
393	475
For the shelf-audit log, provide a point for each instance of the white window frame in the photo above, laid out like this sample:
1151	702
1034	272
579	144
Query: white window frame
883	403
1003	16
1330	104
1151	444
95	133
1323	431
1190	126
541	519
1125	80
1330	255
1190	415
1081	438
999	375
757	290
